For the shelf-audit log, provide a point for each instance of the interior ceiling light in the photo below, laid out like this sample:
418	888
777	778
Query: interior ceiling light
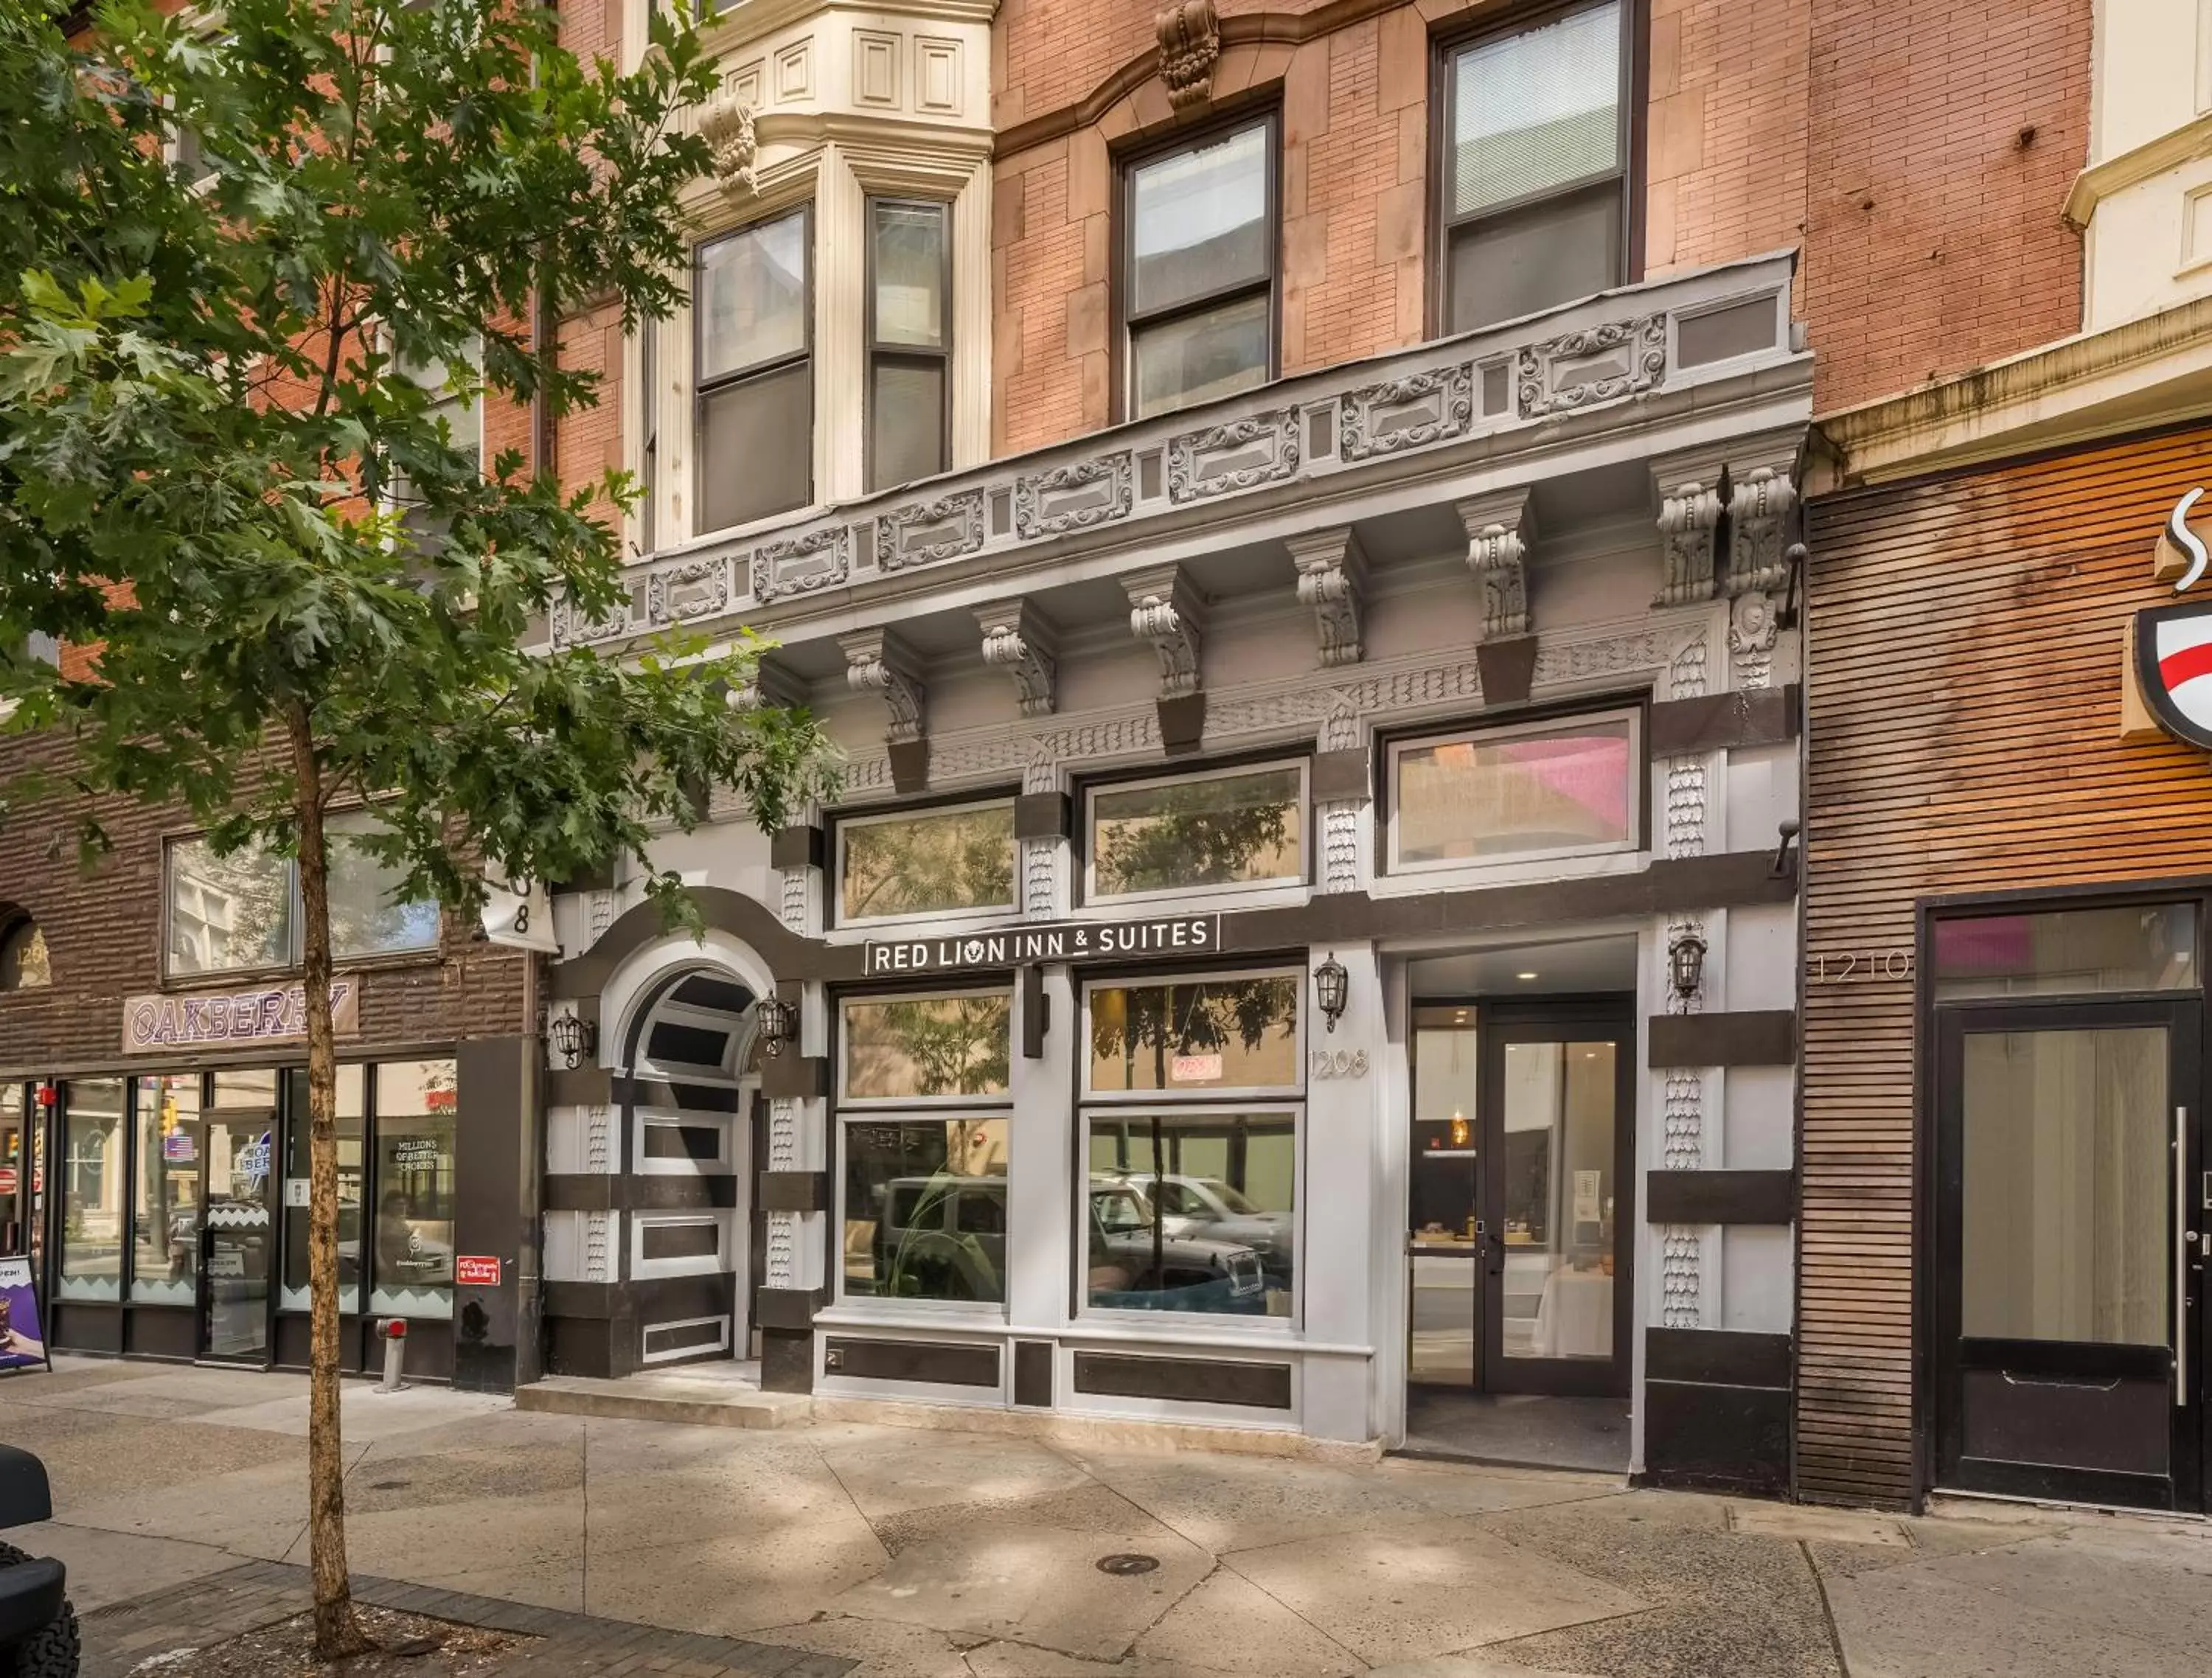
1524	976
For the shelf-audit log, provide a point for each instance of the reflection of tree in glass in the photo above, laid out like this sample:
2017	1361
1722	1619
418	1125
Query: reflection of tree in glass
1202	833
961	859
367	914
229	911
957	1044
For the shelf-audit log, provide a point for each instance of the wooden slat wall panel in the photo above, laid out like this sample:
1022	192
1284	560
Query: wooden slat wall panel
1965	650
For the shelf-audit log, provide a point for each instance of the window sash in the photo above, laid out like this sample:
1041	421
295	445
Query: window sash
1263	1093
344	860
1632	793
702	380
929	1119
846	1005
1302	837
1449	215
846	826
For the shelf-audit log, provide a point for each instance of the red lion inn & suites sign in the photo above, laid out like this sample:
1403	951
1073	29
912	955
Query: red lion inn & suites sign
273	1014
1068	941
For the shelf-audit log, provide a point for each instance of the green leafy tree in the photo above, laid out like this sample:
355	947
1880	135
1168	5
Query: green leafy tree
224	263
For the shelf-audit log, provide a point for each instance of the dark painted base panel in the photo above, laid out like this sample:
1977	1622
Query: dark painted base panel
171	1334
1716	1438
787	1361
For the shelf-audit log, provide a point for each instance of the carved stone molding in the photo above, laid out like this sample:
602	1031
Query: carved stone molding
1690	511
770	685
1597	364
1500	528
1190	46
1332	575
1758	520
1411	412
688	589
820	559
728	128
1018	639
567	626
877	662
1073	497
1163	610
1241	454
924	533
1753	633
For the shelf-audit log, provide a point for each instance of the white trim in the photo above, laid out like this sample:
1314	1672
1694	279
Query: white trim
1109	1322
930	1104
667	957
1093	898
642	1268
1481	871
723	1124
842	823
721	1342
1249	1093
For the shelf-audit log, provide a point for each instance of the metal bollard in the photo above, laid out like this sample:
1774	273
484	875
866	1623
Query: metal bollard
393	1331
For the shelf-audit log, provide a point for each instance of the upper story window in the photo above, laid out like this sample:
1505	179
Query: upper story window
909	340
918	862
241	913
1534	181
1567	787
1198	269
454	403
752	303
1177	834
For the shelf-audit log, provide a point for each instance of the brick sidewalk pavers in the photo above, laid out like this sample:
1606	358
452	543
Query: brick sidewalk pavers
204	1612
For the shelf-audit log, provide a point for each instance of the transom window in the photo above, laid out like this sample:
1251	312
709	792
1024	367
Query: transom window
1202	1035
751	298
1182	833
922	1158
1535	205
917	862
241	913
909	340
1199	270
1563	788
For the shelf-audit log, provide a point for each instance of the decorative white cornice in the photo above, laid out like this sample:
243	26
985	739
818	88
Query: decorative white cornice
2170	149
876	661
1163	610
1332	577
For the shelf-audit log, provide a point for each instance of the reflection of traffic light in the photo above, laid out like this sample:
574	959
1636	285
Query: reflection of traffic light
168	1113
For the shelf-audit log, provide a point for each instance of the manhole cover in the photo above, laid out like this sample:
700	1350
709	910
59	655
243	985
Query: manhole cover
1130	1563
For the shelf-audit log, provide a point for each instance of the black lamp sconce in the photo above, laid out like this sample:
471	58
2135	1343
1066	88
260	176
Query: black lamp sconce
1685	963
1331	988
573	1038
778	1023
1780	868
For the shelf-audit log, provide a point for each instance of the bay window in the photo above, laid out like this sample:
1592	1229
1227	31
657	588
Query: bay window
752	305
909	340
1535	205
1198	269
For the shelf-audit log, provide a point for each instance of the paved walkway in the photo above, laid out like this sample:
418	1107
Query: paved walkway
935	1554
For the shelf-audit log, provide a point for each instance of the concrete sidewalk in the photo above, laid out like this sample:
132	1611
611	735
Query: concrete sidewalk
942	1554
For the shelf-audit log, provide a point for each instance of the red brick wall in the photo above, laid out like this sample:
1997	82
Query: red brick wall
1934	241
103	940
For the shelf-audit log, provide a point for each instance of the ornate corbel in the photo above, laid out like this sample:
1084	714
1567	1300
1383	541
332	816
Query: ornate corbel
1332	575
1163	610
727	129
771	684
1692	499
1759	519
1190	46
877	662
1018	639
1499	529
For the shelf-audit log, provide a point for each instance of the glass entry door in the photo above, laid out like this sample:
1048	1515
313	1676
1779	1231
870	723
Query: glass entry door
1520	1209
237	1234
2069	1345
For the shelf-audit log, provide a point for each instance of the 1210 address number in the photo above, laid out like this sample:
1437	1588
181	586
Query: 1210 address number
1859	964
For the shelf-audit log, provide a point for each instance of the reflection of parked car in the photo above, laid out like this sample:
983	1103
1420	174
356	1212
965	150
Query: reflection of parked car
1207	1207
1139	1263
38	1627
942	1237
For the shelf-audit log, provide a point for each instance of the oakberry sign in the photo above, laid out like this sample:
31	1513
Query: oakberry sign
272	1013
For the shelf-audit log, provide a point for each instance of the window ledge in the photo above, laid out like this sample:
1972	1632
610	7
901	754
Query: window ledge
1533	873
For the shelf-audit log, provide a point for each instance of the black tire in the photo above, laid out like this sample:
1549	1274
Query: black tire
52	1652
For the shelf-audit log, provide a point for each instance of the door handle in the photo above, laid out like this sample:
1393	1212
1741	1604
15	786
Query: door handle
2182	1243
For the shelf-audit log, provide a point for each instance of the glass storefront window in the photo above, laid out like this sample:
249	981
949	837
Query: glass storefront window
351	1131
925	862
1244	828
411	1186
1202	1036
925	1209
1193	1211
1548	789
165	1262
93	1189
2067	952
914	1047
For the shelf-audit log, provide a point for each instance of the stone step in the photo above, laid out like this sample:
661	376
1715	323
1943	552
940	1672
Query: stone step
703	1402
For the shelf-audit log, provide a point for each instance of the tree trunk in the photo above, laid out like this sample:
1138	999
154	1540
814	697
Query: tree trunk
337	1632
